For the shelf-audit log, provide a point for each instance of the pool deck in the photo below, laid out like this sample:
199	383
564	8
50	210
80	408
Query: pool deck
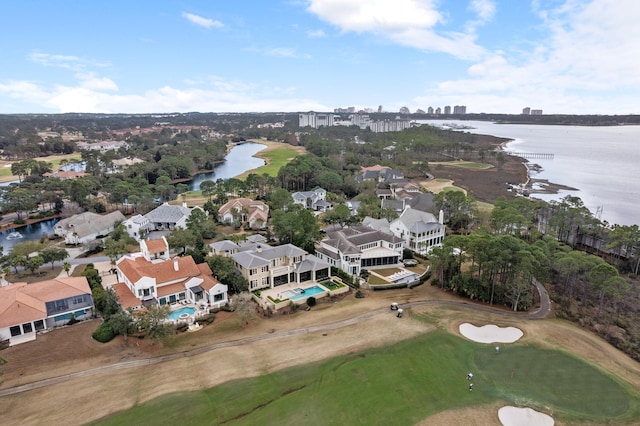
276	292
202	310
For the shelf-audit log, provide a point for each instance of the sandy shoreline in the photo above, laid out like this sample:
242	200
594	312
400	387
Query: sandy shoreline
534	185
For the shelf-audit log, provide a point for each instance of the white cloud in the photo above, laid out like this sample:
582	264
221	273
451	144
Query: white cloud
407	22
316	34
279	52
216	94
282	52
485	9
70	62
25	91
201	21
90	81
586	64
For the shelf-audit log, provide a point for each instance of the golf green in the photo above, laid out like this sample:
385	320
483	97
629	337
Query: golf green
401	385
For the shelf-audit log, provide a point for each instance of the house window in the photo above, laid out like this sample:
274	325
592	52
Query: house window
15	330
253	271
218	297
265	280
39	325
265	268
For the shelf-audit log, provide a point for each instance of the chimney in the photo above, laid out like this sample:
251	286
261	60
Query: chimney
184	204
259	248
441	217
175	264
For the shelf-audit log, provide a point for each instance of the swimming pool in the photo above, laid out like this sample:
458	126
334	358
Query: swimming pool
175	315
299	293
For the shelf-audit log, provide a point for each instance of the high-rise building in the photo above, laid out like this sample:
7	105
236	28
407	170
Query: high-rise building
379	108
438	111
460	109
430	110
447	110
315	119
526	111
536	112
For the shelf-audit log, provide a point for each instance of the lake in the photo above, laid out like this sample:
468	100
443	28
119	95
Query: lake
29	232
600	161
239	160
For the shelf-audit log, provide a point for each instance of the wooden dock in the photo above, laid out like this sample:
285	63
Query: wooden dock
532	155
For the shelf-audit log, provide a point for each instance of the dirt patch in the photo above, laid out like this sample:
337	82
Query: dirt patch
438	185
486	184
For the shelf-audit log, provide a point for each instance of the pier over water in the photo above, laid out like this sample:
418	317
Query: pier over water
532	155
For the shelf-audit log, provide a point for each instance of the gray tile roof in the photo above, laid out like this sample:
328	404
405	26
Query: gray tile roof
166	213
262	254
249	260
224	245
311	263
411	216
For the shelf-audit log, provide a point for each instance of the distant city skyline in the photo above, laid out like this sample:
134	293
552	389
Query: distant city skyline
493	56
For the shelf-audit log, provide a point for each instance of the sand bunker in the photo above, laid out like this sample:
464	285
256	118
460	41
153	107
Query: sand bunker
490	333
514	416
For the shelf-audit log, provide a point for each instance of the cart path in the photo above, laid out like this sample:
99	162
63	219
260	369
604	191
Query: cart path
540	313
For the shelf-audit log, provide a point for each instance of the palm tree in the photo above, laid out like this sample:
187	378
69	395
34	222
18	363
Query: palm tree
67	267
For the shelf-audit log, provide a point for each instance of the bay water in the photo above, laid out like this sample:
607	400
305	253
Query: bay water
601	162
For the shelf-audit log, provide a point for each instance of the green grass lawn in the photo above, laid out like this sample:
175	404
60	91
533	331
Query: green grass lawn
400	385
452	189
277	158
476	166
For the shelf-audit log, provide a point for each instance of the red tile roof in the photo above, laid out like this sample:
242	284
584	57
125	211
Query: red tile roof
156	246
163	271
124	295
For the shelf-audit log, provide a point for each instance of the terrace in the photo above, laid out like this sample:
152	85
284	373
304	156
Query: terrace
283	295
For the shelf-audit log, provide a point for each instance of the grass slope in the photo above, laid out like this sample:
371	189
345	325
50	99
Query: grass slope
400	385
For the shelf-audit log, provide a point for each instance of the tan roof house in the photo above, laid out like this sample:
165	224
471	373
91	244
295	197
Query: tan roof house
244	210
66	174
26	309
87	226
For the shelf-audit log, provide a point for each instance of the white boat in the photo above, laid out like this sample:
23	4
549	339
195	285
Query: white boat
15	235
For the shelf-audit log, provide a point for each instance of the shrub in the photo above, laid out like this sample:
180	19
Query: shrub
311	301
359	294
182	327
104	333
73	319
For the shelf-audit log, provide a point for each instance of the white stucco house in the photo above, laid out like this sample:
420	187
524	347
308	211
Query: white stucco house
315	200
167	217
419	230
138	226
151	276
355	248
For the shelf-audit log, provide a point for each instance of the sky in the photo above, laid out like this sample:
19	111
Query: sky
150	56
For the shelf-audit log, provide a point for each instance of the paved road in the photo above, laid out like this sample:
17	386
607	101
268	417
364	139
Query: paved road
539	313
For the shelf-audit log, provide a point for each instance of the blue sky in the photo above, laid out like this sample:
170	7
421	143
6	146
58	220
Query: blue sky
494	56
